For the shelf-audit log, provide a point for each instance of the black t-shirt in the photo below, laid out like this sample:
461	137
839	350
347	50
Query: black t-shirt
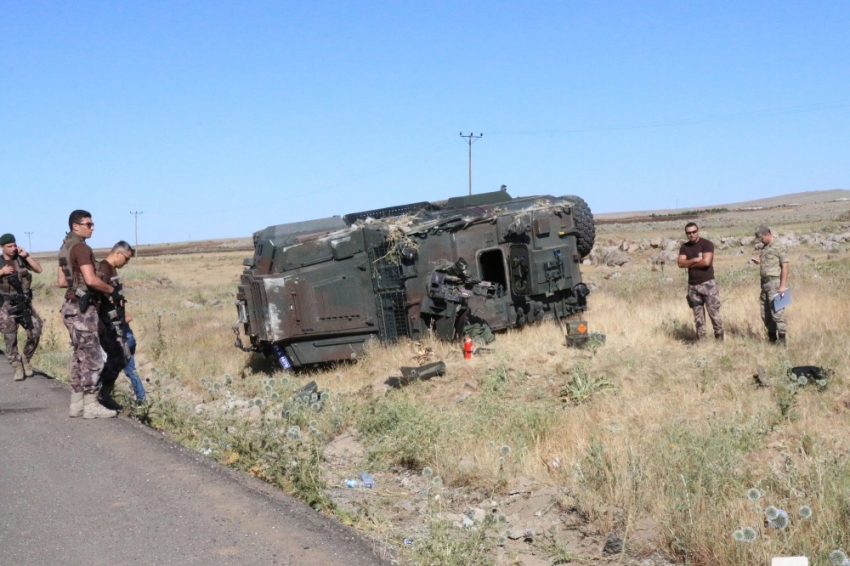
691	250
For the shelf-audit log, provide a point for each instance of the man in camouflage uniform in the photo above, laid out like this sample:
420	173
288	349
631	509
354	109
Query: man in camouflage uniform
15	259
79	313
774	277
697	256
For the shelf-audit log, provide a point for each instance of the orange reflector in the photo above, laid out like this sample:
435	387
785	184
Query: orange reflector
582	328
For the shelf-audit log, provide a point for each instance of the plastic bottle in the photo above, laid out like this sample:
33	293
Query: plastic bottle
281	357
368	481
467	347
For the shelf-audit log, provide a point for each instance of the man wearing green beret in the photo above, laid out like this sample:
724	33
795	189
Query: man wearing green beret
17	309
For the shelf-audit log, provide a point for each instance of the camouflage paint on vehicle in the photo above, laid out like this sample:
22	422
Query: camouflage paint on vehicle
320	289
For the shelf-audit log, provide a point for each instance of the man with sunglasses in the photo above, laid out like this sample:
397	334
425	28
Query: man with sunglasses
80	315
697	256
118	257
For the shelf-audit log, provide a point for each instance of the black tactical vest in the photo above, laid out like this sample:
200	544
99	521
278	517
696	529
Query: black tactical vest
24	273
73	277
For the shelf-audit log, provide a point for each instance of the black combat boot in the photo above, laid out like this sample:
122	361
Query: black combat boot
105	397
719	337
771	335
781	339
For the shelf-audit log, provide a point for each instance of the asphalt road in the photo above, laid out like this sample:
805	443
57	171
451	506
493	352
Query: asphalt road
113	492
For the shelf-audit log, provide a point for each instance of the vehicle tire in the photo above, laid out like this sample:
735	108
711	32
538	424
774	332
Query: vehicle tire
585	225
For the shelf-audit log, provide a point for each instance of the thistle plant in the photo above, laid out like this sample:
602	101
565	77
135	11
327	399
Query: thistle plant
753	494
294	433
779	521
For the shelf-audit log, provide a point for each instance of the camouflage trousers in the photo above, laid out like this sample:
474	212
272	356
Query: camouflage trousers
114	356
86	362
9	328
706	297
773	321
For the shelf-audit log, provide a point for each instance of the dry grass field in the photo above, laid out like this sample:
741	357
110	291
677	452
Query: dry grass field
651	440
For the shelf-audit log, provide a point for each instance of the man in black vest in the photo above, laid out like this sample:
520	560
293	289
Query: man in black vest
79	313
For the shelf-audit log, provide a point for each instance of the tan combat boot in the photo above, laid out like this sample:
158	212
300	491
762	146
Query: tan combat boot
76	405
27	367
94	410
19	371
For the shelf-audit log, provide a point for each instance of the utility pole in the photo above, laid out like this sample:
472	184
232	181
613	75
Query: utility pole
471	137
136	214
29	240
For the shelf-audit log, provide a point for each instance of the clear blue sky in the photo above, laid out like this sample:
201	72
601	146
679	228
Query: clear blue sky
219	118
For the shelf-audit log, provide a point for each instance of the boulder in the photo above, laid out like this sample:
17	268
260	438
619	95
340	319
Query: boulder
664	258
656	242
748	240
616	258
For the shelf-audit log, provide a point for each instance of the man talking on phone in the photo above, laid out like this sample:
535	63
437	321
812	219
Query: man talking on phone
17	309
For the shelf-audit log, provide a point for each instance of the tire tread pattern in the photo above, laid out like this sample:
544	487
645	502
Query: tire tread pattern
585	225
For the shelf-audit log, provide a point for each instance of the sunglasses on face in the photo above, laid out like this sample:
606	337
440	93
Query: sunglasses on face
86	224
691	233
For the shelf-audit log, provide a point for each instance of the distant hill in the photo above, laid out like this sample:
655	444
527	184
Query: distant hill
808	197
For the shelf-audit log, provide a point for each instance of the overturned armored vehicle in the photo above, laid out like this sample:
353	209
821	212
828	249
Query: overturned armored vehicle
316	291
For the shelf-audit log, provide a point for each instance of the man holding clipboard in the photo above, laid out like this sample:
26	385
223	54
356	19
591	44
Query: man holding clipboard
774	278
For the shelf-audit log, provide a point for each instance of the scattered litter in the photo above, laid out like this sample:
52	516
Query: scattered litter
408	541
305	394
368	481
421	373
467	347
812	373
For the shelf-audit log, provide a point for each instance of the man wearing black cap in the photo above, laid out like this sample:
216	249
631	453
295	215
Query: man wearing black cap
15	280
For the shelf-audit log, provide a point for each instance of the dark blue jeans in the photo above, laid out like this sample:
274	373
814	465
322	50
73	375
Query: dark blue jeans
130	370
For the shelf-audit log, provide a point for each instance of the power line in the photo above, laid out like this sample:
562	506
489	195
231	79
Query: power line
136	214
686	121
471	137
29	240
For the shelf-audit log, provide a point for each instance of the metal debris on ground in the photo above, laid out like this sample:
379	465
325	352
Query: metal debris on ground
421	373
